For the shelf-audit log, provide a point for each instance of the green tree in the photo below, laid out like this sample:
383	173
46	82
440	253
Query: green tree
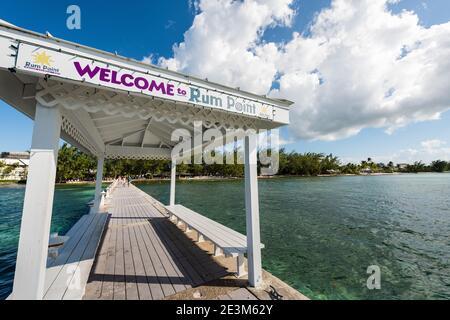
7	170
439	166
417	167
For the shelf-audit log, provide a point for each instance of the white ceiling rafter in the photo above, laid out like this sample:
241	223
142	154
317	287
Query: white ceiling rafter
120	123
77	135
123	137
90	127
144	136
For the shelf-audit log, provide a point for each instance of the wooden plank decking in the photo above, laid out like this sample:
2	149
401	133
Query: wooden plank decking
144	256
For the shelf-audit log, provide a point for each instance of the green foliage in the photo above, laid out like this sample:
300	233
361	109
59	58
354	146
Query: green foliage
439	166
417	167
350	168
307	164
75	165
7	170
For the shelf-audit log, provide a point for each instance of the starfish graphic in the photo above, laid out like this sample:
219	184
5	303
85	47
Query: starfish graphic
264	110
42	58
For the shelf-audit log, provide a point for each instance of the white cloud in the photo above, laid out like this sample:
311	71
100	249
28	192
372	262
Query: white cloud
435	149
360	65
149	59
193	6
224	43
427	151
363	67
432	144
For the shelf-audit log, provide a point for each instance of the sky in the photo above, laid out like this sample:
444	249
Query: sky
368	78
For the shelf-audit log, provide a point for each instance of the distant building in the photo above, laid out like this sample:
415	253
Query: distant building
402	166
366	171
15	155
13	165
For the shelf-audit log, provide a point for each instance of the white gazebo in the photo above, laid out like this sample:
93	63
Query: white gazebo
113	107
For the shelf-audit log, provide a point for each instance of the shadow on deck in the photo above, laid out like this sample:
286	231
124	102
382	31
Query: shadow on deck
143	256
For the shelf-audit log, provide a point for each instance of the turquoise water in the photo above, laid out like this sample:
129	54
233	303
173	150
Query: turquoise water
69	206
321	234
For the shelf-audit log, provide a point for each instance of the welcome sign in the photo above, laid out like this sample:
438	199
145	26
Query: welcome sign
50	62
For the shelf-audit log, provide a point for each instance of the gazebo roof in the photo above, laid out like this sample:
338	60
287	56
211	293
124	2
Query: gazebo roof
117	106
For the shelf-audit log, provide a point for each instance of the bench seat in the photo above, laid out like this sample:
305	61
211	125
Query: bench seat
229	241
67	274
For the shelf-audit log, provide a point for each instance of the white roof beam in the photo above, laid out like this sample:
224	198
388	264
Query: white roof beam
92	130
146	132
120	123
122	138
137	152
162	135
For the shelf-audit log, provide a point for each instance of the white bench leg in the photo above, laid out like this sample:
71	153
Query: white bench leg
241	266
200	237
217	251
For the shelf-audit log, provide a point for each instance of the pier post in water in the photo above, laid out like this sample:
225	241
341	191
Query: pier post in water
37	209
252	212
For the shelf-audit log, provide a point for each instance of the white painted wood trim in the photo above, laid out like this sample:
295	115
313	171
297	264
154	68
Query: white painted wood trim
217	251
240	261
98	184
38	204
200	237
252	212
173	177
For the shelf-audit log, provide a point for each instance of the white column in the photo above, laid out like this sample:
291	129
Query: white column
173	177
37	209
252	212
98	184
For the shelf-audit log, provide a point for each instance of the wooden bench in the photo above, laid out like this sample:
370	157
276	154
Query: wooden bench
68	273
226	241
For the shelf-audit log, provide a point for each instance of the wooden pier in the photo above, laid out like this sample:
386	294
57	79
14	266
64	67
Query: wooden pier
145	256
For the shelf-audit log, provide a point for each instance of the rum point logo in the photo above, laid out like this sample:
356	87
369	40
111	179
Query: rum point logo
42	62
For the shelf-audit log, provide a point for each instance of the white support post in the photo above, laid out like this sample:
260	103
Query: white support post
200	237
217	251
252	212
37	209
98	184
173	177
240	266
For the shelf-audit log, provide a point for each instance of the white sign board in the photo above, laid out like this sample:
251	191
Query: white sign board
68	66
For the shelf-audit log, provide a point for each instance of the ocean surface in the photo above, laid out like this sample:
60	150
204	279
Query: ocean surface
321	234
69	205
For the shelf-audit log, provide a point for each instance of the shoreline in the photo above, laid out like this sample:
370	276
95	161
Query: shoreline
208	178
